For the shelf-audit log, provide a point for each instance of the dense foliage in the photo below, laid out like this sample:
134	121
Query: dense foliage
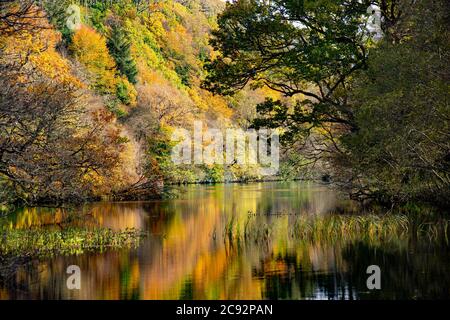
89	111
374	114
401	150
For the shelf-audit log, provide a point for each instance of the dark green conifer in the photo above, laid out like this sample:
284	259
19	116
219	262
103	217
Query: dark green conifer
119	47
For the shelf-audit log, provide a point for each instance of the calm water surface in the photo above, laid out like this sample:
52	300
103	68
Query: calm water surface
187	255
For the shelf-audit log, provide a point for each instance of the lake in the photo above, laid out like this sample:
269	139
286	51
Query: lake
189	252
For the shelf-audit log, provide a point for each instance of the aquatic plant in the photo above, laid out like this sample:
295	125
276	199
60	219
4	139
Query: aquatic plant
351	227
331	228
45	242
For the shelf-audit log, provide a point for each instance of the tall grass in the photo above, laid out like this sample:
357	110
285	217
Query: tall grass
45	242
330	228
371	227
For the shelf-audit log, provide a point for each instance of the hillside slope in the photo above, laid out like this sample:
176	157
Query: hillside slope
129	73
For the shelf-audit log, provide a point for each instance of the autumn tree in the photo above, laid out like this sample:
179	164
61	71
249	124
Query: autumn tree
19	15
90	49
51	147
160	108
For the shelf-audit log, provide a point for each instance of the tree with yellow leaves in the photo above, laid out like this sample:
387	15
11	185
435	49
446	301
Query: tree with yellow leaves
90	49
51	147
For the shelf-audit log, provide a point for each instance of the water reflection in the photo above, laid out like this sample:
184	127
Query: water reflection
187	255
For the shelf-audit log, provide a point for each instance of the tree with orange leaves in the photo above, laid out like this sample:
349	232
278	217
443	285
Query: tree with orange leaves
51	147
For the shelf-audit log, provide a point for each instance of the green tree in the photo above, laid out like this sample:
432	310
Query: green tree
401	151
377	111
120	49
299	48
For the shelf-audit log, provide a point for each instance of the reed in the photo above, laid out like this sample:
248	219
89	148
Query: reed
370	227
45	242
330	228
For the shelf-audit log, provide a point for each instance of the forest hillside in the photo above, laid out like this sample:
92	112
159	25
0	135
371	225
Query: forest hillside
89	112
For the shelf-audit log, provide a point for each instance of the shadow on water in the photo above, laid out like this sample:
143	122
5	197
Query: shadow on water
255	241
